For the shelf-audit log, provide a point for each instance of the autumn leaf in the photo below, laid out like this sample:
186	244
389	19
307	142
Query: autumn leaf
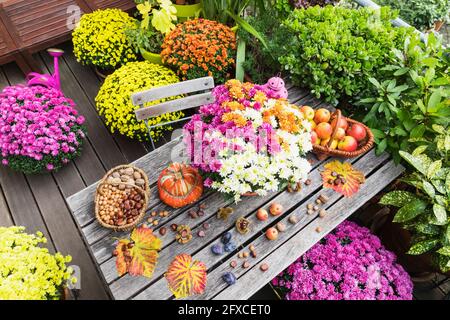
186	277
142	255
121	263
342	178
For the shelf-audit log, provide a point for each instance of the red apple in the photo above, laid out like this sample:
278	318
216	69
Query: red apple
340	134
276	209
357	131
262	214
324	130
342	123
348	144
314	137
272	234
308	112
322	115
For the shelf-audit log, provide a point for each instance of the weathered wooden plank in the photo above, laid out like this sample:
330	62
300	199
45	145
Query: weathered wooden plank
5	216
174	106
289	202
171	90
82	203
131	149
65	234
367	164
244	208
254	279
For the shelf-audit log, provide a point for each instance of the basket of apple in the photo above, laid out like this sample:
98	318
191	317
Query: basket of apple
335	135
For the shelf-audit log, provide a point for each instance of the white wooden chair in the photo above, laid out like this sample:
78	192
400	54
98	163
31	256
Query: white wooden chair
201	86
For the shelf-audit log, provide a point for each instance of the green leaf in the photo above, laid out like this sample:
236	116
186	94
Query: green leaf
375	82
428	229
438	128
401	72
381	146
434	168
247	27
429	189
447	183
419	150
418	131
440	214
423	247
397	198
444	251
434	101
410	210
414	161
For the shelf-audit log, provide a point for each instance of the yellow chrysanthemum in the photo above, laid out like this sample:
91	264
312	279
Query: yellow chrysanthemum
28	271
114	98
100	40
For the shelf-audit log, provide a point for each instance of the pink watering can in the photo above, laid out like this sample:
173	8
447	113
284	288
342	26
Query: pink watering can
277	84
47	80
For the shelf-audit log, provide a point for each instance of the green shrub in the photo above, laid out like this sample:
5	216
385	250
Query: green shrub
422	14
337	49
411	95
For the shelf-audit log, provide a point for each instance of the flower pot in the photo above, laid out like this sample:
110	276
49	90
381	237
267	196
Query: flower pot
438	25
186	11
398	240
250	194
151	57
103	73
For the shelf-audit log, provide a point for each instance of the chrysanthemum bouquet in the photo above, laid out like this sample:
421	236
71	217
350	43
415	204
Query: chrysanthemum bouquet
28	271
39	129
114	98
249	141
99	39
348	264
199	48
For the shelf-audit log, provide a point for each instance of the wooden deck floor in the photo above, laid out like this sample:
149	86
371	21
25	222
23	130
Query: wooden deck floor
37	202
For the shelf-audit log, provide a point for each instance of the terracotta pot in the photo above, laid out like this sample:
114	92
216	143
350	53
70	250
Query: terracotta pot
438	25
250	194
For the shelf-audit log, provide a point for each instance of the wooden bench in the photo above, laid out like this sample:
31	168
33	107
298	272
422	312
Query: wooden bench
29	26
291	244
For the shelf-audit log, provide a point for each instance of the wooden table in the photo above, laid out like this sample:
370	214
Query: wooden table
279	254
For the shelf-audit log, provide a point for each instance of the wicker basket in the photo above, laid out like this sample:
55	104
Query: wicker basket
145	193
126	227
118	168
323	152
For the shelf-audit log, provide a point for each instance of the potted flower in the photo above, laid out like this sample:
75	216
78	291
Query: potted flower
199	48
113	101
158	17
99	40
249	141
350	263
41	129
28	271
188	8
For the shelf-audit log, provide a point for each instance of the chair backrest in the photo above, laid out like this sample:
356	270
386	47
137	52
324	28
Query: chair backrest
201	86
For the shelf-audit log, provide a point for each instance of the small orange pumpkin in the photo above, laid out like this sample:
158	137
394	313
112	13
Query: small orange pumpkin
180	185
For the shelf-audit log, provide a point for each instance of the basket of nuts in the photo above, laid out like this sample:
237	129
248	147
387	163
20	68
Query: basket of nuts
120	209
125	176
122	197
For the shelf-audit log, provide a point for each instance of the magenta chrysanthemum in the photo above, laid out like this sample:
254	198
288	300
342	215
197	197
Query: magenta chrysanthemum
40	130
348	264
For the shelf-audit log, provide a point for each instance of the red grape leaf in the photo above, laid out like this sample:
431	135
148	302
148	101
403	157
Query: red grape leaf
351	178
186	277
144	253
